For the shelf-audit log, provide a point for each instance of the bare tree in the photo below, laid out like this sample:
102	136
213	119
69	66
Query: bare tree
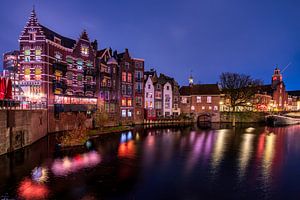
239	88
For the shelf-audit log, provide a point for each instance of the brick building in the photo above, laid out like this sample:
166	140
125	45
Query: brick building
55	70
108	83
200	98
138	90
272	97
126	74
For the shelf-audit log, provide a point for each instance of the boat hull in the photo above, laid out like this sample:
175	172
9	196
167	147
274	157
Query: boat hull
279	120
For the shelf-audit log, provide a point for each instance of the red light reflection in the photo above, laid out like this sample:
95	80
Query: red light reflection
32	190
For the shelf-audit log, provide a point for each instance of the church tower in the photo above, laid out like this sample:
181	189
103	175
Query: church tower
277	77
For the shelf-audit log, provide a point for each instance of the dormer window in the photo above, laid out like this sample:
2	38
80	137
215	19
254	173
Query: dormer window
57	40
84	50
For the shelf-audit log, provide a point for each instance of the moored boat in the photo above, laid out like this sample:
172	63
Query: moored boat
281	120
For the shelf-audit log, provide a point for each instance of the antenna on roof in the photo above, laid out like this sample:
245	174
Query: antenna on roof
286	67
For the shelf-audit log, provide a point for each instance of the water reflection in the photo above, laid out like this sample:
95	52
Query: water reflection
245	154
67	165
30	190
245	163
39	174
219	149
267	160
127	146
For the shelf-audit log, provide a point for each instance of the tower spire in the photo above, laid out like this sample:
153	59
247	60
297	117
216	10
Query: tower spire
191	79
33	19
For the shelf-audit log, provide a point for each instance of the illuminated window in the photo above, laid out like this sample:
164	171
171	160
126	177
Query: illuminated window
27	55
58	75
183	100
203	107
57	56
129	102
38	54
27	73
89	64
215	107
123	102
129	113
123	113
84	50
129	78
79	64
38	73
198	99
124	76
69	60
209	107
209	99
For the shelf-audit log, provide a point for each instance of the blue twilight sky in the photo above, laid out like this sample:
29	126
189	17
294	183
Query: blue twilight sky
176	36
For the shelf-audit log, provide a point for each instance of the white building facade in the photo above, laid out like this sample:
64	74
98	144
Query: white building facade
167	99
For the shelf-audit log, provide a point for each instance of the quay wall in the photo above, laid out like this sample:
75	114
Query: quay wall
242	117
20	128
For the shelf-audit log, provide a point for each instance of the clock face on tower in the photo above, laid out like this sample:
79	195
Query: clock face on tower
274	78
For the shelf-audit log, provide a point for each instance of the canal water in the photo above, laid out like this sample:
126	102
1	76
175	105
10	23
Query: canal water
160	163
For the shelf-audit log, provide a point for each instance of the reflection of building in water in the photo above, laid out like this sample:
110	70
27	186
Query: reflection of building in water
32	190
267	160
245	154
219	148
197	149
